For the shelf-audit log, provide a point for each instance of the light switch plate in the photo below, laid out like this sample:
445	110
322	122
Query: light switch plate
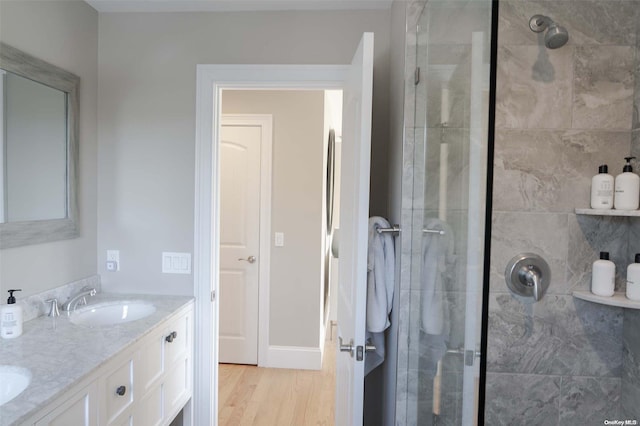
176	263
279	239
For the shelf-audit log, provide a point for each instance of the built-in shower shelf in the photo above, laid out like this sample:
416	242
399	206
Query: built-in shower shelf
618	299
612	212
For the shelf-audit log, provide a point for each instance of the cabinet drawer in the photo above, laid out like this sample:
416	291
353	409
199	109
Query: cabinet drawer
117	390
149	367
79	410
177	387
177	340
150	411
128	421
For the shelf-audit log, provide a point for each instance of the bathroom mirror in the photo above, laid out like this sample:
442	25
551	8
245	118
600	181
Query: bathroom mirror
38	150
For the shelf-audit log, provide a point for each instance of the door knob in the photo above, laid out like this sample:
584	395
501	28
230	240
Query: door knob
346	348
250	259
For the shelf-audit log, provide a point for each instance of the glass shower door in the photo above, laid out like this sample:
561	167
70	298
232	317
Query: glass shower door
448	229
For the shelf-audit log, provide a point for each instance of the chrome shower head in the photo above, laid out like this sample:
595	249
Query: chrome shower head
556	35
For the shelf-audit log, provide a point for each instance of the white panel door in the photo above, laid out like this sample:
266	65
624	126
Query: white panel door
239	242
354	213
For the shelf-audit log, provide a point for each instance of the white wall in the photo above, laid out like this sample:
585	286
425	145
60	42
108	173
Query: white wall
297	205
147	118
64	33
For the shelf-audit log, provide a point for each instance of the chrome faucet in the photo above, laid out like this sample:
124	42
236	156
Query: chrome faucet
79	299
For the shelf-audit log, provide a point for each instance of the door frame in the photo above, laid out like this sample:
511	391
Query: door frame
211	80
265	122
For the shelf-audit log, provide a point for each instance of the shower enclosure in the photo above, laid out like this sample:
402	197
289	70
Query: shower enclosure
534	111
446	127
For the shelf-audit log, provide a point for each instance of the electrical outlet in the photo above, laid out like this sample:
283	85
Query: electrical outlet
279	240
113	260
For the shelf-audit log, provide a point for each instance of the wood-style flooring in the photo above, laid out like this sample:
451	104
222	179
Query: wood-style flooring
249	395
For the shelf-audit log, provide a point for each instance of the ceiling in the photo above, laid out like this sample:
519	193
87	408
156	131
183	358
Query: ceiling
233	5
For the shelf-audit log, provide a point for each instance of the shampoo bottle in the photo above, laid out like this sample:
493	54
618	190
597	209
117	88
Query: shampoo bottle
603	276
627	193
602	189
11	318
633	279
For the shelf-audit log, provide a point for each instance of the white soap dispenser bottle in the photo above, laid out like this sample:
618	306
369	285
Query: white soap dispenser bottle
602	189
603	276
633	279
627	194
11	318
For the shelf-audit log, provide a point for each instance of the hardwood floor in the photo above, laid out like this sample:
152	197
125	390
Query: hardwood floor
249	395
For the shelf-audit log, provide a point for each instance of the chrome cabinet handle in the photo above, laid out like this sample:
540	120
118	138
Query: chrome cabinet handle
250	259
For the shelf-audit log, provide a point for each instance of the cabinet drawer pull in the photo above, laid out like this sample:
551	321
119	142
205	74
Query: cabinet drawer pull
121	390
171	336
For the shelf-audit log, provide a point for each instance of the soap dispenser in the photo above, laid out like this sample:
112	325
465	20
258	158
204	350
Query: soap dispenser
11	318
627	194
602	189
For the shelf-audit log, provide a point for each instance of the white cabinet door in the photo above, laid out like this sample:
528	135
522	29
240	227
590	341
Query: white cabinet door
116	392
149	365
79	410
150	410
354	213
177	340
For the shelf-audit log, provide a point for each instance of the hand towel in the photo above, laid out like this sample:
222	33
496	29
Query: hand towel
380	287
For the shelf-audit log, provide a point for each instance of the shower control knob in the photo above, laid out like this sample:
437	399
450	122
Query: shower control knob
528	275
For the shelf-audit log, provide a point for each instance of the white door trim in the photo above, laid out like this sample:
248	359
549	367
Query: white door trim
265	122
210	81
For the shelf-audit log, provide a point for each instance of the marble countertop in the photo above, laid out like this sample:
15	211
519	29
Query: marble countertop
59	357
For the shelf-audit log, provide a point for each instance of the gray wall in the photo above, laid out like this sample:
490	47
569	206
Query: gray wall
147	118
296	209
64	33
560	113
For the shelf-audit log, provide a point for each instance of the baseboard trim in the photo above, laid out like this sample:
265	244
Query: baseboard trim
294	357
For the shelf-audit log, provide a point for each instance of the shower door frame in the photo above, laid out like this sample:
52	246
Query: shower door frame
482	268
491	128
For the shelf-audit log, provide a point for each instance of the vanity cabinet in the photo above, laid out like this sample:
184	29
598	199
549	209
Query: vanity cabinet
146	384
79	410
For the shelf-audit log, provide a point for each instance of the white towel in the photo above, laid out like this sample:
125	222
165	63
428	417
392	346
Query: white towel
437	265
380	286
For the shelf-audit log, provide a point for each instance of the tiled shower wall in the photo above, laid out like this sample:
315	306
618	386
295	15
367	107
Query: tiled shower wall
559	114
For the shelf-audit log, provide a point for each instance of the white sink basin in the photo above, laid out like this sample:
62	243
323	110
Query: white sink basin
111	313
13	380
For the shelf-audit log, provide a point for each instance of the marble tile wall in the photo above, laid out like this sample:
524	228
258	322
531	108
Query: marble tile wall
559	114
